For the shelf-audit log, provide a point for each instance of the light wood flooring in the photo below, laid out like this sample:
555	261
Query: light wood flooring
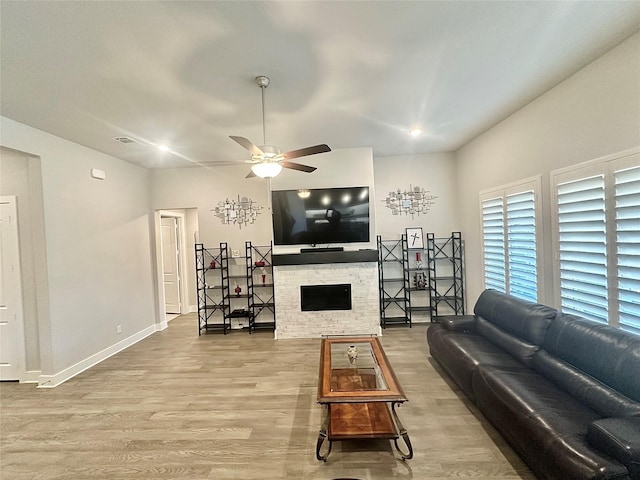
236	406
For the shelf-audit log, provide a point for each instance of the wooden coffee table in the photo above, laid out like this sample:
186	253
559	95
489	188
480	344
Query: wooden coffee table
356	394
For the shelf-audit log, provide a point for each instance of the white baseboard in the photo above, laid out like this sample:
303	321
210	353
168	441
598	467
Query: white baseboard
31	376
193	308
50	381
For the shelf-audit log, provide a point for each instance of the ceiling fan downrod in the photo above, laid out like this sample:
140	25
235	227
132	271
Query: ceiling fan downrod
263	83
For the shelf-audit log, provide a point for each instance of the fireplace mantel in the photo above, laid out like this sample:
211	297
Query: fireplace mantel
322	257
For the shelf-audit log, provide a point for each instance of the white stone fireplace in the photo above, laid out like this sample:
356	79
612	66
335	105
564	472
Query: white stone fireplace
362	319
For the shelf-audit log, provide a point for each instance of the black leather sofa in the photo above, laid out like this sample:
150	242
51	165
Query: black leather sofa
563	391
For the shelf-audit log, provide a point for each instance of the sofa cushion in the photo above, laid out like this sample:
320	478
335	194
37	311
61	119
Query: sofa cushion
544	424
619	438
461	323
608	354
593	393
517	348
459	353
526	320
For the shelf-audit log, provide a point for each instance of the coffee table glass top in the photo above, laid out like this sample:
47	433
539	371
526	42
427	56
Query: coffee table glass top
356	369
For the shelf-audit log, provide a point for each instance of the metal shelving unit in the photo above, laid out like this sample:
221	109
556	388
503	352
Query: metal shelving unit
210	288
418	290
238	313
445	263
393	282
260	286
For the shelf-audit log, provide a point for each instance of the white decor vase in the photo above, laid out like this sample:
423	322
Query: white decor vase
352	354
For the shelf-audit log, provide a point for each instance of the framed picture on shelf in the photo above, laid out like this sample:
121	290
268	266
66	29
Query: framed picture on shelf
414	238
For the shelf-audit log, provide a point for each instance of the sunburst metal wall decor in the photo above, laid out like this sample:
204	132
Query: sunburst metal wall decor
243	211
414	201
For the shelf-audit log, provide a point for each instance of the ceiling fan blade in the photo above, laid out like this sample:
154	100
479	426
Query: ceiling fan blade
303	152
298	166
248	144
251	174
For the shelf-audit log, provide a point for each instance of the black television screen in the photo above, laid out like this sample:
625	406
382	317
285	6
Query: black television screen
320	216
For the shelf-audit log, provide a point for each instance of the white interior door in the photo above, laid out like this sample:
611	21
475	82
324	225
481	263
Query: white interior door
12	349
170	263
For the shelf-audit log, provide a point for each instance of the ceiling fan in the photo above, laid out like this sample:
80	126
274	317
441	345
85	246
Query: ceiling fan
266	159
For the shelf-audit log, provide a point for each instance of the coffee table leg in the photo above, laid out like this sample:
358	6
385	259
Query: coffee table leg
322	436
403	433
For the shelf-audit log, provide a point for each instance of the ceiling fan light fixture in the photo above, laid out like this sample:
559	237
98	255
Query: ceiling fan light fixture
266	169
415	132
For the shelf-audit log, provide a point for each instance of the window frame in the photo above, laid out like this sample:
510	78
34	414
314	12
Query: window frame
530	184
606	166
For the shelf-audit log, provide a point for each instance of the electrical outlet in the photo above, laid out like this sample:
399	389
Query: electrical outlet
118	328
235	253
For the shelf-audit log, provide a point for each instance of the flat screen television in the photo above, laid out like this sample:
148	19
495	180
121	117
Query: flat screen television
320	216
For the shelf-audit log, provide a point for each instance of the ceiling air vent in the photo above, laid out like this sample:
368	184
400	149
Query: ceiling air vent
125	140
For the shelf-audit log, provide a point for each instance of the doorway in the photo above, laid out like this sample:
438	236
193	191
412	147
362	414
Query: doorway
176	232
12	349
171	272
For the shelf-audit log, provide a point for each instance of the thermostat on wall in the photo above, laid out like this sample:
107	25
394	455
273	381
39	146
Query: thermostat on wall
99	174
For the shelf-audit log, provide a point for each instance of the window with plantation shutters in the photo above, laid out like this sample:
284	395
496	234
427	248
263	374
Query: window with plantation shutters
493	244
582	248
627	210
510	237
521	245
597	238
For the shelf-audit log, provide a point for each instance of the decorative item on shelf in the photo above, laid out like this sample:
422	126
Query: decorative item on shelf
420	281
212	264
412	202
241	212
414	238
238	289
259	263
419	278
264	278
352	354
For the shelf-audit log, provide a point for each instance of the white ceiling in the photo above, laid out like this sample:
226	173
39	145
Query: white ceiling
349	74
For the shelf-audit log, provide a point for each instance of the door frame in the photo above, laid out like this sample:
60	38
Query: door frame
19	342
169	227
182	266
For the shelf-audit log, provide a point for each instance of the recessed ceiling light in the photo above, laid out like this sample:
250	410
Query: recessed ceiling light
415	132
163	148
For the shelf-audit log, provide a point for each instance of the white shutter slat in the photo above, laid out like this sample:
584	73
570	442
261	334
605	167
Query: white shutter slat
493	244
627	201
582	243
521	245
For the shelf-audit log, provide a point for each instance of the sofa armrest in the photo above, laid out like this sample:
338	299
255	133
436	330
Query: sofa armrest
458	322
618	437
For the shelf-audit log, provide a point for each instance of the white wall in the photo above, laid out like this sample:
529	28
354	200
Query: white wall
593	113
97	245
202	188
434	172
345	167
20	176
